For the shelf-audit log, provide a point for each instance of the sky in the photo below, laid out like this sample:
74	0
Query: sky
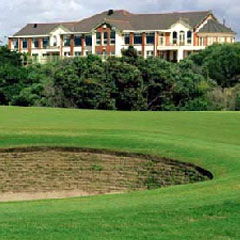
14	14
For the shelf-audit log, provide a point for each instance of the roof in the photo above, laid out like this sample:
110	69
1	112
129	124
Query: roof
128	21
122	20
212	26
43	28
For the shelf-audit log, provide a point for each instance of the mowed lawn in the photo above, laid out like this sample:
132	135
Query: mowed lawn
202	211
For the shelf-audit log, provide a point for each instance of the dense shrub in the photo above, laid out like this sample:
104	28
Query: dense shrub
208	80
220	62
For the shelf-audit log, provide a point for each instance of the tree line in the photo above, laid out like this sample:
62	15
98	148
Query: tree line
209	80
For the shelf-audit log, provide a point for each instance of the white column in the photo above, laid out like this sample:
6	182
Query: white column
93	42
119	44
180	55
185	38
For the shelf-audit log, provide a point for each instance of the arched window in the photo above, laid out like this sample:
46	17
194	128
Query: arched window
175	36
189	37
182	38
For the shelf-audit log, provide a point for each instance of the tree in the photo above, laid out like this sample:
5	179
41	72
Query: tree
220	62
81	81
10	57
158	81
127	85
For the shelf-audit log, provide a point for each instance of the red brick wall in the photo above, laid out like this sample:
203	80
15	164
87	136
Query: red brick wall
9	43
72	45
40	43
30	46
20	45
156	41
143	43
195	40
167	39
131	42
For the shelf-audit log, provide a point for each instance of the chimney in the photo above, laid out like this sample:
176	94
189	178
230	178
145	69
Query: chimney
110	12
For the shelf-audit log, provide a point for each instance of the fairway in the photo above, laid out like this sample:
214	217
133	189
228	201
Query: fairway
201	211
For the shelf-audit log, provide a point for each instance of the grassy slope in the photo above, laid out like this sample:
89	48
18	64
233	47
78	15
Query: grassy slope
209	210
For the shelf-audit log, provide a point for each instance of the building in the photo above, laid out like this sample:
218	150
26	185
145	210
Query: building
172	36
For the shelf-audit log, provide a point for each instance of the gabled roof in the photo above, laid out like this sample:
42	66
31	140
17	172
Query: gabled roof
122	20
43	28
129	21
213	26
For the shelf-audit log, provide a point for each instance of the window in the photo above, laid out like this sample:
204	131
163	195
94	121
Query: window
66	54
127	39
139	53
45	42
112	37
99	38
228	39
210	40
175	36
25	43
77	41
150	38
46	54
105	38
221	39
88	40
77	54
66	41
138	39
201	41
149	53
162	39
104	55
189	37
35	43
182	38
15	43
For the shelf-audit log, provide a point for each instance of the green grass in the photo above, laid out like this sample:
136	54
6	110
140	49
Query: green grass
202	211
